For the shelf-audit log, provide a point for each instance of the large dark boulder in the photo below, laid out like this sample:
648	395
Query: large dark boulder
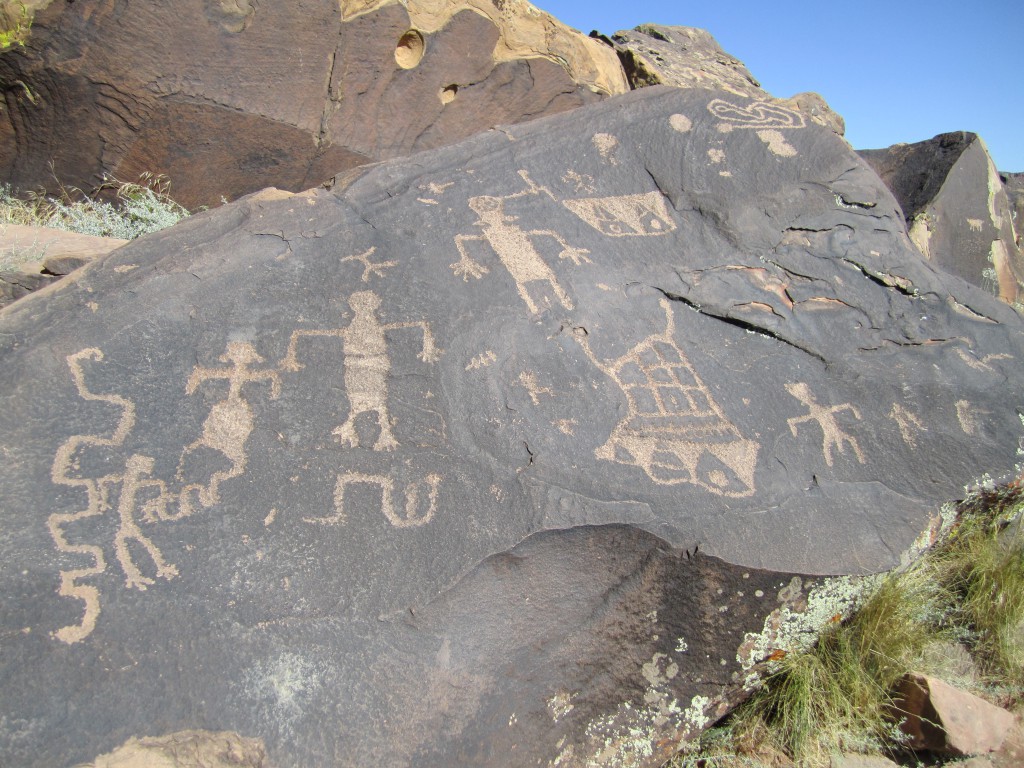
1014	185
225	98
956	208
528	451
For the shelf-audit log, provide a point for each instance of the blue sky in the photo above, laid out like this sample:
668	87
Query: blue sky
901	70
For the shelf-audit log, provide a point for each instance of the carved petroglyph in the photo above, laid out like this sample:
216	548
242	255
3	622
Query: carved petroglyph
776	143
716	156
230	421
370	268
981	364
580	182
528	381
641	215
757	114
566	426
674	430
63	472
910	425
967	415
433	188
514	246
606	145
832	434
366	365
419	510
133	482
680	123
974	224
482	360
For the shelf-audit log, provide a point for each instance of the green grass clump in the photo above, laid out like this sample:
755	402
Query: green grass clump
837	696
138	210
15	24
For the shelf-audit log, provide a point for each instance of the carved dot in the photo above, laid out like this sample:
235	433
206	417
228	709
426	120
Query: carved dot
680	122
448	93
410	49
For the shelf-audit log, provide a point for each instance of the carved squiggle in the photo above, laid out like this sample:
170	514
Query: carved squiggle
96	490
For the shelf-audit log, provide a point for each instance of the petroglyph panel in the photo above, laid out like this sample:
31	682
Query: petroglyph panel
640	215
832	435
514	246
366	365
680	123
673	430
757	114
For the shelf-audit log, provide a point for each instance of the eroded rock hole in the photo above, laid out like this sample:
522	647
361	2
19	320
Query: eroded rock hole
448	93
410	49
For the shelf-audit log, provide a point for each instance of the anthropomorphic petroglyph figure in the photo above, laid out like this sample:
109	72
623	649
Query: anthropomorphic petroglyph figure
414	516
673	430
367	365
832	434
514	246
230	422
136	479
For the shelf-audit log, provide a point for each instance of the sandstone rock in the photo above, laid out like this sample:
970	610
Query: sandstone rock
956	208
188	749
687	57
225	98
530	450
940	718
1013	183
33	257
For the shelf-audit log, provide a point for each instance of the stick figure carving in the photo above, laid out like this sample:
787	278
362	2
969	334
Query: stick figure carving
367	365
674	430
832	435
229	423
514	246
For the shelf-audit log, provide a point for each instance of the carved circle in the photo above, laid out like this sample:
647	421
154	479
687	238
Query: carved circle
409	51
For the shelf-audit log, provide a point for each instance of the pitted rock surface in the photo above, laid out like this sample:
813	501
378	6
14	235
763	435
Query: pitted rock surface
528	450
227	98
957	209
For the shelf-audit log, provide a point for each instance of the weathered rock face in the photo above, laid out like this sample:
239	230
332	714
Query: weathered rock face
1013	183
687	57
34	257
227	98
956	208
524	451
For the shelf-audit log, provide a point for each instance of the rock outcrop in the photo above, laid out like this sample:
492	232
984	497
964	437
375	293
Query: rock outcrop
1013	183
687	57
532	450
34	257
956	208
227	98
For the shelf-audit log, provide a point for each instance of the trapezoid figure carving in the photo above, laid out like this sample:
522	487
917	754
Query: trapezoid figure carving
757	114
230	421
366	365
674	430
417	513
832	435
640	215
514	246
